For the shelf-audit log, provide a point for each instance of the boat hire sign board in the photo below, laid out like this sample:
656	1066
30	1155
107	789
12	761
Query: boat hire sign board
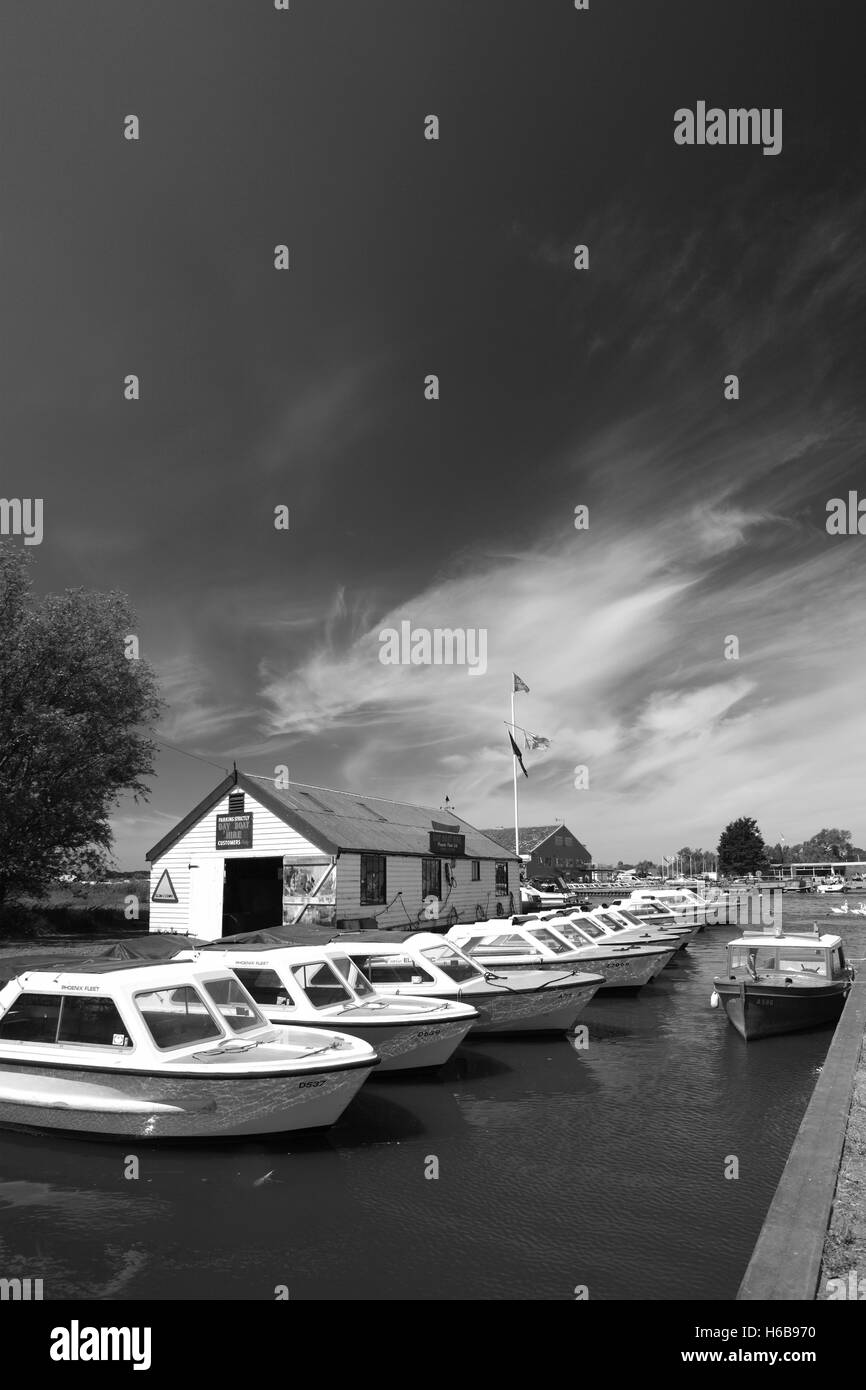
447	842
235	832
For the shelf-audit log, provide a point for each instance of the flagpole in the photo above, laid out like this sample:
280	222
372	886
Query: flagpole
514	770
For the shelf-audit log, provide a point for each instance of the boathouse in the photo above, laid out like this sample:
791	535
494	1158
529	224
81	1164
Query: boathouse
253	855
547	851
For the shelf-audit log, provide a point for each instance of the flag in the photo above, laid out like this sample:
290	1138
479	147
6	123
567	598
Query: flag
517	753
534	741
519	684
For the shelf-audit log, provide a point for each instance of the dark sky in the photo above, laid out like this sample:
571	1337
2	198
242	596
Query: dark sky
707	517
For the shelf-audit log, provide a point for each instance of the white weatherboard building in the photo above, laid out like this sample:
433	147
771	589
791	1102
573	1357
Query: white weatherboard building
252	855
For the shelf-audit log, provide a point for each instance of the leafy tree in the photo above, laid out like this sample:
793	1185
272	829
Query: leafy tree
74	725
645	868
741	848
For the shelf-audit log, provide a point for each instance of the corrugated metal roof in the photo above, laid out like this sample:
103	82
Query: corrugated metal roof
337	820
367	823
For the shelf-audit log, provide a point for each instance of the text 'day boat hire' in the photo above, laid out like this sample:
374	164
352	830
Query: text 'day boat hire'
163	1051
426	965
779	983
319	987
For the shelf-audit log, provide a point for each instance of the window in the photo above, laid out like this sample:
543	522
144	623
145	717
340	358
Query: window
372	879
32	1018
266	987
568	840
235	1005
355	978
53	1018
558	841
92	1020
552	942
322	986
452	962
175	1017
393	970
431	878
476	870
501	876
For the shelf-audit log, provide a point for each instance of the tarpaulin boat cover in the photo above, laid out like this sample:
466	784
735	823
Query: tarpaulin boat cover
267	936
156	946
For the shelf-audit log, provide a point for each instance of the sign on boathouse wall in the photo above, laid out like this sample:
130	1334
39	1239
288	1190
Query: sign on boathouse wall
447	842
235	832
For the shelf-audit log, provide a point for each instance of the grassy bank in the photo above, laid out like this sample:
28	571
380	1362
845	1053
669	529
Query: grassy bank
78	910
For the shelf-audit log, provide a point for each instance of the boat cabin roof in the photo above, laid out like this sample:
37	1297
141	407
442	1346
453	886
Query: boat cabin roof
790	940
133	975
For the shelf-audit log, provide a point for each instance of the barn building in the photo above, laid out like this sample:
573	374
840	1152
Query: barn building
548	851
254	855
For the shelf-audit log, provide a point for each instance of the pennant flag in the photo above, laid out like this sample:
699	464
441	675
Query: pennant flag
517	753
535	741
519	684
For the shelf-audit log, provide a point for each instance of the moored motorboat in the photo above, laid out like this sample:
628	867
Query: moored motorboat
783	983
431	966
628	925
163	1051
320	987
527	943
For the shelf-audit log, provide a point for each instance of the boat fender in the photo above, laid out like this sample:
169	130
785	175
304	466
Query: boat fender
714	999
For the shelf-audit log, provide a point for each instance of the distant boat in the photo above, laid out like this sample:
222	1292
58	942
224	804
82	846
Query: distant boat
526	944
833	884
779	983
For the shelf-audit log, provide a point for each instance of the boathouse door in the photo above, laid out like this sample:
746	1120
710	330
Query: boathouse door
206	899
253	896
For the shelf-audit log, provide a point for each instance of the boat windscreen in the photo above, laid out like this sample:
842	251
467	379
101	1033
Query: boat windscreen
630	917
551	940
609	921
177	1017
453	963
234	1004
582	930
354	977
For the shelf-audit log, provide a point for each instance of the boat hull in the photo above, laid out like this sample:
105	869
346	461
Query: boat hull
621	971
125	1105
551	1009
758	1011
402	1046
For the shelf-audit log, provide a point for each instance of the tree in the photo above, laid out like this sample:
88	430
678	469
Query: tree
828	845
75	716
741	848
645	868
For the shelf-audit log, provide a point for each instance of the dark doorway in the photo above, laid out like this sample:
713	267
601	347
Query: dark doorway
253	895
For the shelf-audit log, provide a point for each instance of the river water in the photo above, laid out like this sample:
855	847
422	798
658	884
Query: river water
558	1169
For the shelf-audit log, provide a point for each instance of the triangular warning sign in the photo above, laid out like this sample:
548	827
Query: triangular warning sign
164	890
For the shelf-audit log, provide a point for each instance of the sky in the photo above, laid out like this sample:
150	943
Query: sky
559	388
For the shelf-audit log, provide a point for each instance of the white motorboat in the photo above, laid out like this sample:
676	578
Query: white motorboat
163	1051
687	906
320	987
831	884
426	965
530	944
630	925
